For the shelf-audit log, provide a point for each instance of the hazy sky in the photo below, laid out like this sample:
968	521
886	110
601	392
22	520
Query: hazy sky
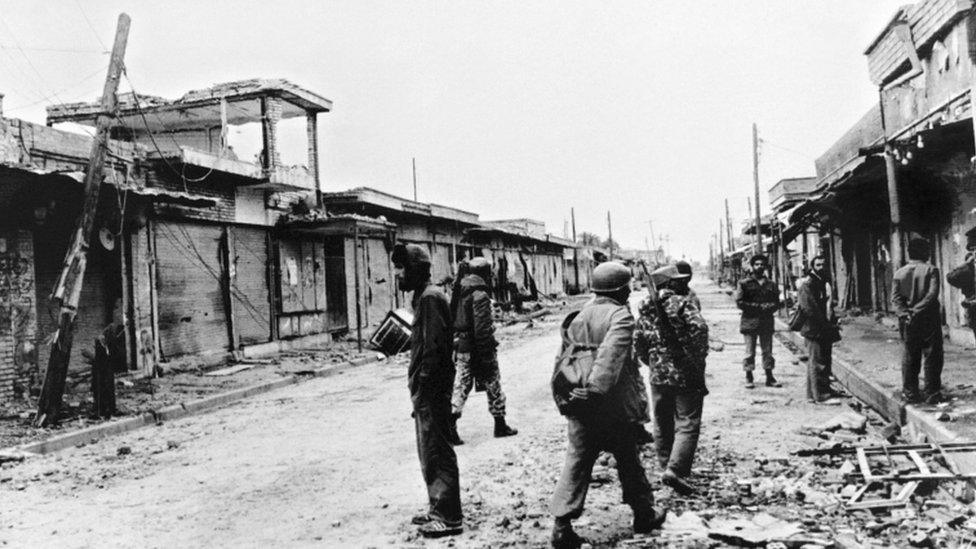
512	109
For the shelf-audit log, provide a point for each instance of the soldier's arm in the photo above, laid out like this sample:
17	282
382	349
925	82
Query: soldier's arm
743	299
612	353
434	323
482	324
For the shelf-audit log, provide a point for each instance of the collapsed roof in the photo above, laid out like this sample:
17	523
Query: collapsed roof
199	108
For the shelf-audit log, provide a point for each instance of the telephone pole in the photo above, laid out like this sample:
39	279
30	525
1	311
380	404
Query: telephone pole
67	291
414	162
755	179
729	243
610	233
572	216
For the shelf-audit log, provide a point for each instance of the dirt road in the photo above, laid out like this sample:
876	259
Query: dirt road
332	462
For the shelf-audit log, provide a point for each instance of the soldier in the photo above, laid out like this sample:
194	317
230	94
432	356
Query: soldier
683	289
758	298
430	378
915	293
672	339
612	390
475	348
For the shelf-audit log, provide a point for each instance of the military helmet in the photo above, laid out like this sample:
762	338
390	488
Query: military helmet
480	266
410	255
610	277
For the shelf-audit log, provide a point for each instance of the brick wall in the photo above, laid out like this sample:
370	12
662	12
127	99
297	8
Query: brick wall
18	314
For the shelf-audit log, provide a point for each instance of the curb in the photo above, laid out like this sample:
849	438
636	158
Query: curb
919	424
174	411
862	386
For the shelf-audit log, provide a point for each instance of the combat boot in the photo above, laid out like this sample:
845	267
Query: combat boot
771	381
646	522
503	429
750	382
563	536
452	433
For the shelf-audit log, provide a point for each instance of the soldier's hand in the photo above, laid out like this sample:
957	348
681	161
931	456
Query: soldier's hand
579	393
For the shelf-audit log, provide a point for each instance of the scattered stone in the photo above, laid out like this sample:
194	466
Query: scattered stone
172	444
919	539
123	451
760	530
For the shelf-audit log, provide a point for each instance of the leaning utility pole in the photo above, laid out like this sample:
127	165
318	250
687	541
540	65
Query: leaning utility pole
572	216
67	291
755	179
610	233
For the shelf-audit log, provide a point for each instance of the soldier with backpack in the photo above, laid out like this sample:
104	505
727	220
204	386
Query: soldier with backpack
597	386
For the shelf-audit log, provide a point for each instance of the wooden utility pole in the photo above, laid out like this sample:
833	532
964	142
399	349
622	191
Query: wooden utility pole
610	235
891	174
414	162
755	180
67	291
729	243
572	217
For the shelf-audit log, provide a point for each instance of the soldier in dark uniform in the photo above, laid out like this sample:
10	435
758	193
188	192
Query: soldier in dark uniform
758	298
430	378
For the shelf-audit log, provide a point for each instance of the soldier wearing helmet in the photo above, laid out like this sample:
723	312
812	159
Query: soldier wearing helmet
430	378
613	391
475	347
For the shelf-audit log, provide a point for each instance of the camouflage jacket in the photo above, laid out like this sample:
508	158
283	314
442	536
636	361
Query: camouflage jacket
675	348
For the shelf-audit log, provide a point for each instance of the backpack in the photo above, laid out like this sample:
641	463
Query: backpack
571	371
797	320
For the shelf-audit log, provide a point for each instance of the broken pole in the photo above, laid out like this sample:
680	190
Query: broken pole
67	291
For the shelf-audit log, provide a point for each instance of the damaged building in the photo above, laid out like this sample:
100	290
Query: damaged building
214	236
905	168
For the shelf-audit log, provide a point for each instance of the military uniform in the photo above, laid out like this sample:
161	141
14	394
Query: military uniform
758	299
475	347
675	347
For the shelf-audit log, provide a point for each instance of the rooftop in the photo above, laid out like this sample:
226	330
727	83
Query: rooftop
199	108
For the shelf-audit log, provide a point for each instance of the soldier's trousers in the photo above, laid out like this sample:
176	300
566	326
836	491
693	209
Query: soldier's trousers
586	440
438	462
765	345
922	352
470	368
677	426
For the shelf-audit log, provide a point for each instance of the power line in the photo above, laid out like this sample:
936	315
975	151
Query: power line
90	26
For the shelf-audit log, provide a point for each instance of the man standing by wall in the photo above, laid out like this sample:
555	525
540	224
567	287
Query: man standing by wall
475	348
430	378
614	406
815	300
915	294
758	298
672	339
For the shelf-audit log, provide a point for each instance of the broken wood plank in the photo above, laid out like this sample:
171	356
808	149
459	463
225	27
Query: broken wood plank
923	467
862	461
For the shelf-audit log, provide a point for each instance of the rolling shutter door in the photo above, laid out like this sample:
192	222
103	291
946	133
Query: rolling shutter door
191	305
252	309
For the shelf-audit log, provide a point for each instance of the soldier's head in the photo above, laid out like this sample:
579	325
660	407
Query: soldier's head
759	263
612	279
411	263
918	249
818	265
481	267
669	278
